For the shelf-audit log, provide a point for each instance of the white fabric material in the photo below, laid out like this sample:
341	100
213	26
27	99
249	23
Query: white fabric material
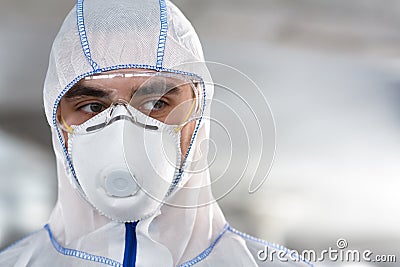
127	32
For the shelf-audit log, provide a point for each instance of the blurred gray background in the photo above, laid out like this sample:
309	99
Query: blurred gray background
331	73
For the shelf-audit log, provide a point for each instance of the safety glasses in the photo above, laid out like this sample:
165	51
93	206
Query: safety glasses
169	98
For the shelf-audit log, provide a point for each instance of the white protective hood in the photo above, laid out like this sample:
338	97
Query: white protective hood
128	34
102	35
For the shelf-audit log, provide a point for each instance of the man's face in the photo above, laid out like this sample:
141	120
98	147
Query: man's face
169	102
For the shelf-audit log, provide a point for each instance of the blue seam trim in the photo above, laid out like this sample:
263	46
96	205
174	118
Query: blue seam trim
163	34
207	251
116	67
82	34
80	254
273	245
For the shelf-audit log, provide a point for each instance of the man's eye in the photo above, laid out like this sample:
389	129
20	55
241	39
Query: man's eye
153	105
93	108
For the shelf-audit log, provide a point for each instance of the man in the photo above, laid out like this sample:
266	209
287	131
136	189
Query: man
126	93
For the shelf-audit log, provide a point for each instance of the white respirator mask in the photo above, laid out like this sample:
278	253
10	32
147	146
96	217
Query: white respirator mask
125	162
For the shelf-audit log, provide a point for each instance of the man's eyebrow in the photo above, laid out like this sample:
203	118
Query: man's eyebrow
86	90
153	89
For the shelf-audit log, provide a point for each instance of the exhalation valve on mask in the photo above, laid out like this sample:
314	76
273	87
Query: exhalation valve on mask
125	170
118	182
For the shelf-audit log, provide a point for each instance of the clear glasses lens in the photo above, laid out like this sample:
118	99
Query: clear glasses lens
167	99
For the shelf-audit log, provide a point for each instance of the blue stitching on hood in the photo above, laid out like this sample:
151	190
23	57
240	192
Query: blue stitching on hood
182	168
163	34
82	34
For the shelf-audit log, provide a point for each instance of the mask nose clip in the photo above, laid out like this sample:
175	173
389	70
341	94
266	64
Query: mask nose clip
119	110
116	113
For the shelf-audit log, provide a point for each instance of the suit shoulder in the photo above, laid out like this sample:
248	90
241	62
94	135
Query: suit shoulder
19	253
266	253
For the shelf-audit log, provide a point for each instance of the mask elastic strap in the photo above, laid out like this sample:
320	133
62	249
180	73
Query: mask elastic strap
66	126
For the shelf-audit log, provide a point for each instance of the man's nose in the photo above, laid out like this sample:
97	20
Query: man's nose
119	107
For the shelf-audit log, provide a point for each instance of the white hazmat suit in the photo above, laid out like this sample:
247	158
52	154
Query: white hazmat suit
98	36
